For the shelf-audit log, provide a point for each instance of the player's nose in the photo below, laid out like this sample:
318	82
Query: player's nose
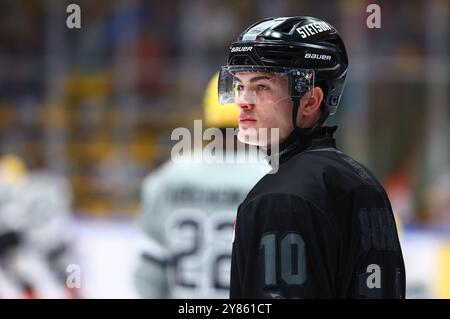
246	99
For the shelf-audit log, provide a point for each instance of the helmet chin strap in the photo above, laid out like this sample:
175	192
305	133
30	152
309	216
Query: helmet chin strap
295	107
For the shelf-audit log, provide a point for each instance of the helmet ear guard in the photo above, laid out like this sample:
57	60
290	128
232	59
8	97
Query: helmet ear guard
333	95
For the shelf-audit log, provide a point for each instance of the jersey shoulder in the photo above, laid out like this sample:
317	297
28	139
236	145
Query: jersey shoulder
319	176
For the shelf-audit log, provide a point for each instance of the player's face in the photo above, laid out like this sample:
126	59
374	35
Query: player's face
265	103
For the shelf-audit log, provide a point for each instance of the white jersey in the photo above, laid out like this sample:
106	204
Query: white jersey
37	210
47	198
188	213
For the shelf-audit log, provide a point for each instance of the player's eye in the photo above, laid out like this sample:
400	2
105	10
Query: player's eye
262	87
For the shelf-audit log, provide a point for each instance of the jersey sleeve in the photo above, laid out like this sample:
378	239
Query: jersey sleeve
372	264
284	247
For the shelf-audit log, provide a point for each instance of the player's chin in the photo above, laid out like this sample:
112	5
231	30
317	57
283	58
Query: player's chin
250	135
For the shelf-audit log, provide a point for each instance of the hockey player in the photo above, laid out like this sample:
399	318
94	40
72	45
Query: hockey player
188	212
322	225
34	241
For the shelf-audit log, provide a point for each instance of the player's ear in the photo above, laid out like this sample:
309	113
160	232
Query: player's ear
311	101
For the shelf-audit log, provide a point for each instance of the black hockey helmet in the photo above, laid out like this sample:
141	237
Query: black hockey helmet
294	43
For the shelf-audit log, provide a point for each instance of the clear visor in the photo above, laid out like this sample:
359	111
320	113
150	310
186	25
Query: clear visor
258	84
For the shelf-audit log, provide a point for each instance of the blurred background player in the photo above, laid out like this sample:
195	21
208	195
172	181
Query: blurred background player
34	237
188	212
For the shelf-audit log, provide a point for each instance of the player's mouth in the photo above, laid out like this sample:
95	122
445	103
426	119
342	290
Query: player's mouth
246	119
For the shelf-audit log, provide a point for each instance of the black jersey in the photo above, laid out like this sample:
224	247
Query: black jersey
321	227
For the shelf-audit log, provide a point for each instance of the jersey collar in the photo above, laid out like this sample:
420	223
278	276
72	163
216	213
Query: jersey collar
301	140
